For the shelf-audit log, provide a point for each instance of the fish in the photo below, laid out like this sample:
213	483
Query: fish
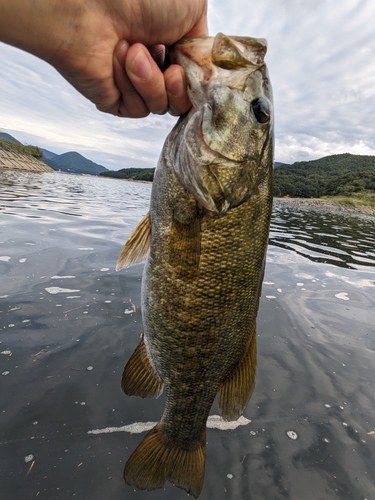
204	240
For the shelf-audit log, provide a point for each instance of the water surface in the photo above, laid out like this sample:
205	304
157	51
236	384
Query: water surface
69	323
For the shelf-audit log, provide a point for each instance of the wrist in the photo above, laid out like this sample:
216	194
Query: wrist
40	27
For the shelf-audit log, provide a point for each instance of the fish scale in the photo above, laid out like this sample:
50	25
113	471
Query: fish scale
206	233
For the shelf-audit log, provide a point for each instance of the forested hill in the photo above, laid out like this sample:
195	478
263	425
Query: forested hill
135	174
342	174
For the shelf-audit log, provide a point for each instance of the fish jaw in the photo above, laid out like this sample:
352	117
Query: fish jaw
208	60
219	146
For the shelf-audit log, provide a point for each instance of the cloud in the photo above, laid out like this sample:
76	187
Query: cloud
320	59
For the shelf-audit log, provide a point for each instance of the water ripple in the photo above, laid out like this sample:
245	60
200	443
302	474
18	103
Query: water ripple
110	208
327	237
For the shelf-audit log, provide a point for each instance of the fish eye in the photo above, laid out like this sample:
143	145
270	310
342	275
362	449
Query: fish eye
261	109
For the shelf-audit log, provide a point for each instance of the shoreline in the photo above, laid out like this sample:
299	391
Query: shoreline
320	203
10	160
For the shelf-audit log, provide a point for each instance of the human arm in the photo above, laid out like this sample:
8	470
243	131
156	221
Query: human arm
103	47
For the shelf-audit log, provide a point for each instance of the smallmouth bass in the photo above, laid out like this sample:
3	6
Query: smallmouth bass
205	238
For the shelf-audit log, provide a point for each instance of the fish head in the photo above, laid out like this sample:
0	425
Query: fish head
225	143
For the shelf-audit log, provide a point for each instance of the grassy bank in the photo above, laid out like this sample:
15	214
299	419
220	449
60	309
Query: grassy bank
364	199
14	147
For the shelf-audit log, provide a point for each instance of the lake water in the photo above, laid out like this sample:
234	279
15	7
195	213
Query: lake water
69	322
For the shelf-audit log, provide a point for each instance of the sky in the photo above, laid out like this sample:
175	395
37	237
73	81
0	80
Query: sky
321	59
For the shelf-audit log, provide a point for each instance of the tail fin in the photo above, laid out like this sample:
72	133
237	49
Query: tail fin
156	460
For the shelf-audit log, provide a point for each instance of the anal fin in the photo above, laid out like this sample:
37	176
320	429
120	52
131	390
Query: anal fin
138	245
235	391
157	460
139	377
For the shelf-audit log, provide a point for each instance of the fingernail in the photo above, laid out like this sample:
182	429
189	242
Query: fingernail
141	66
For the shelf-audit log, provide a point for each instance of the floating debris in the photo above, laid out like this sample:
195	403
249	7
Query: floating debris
22	261
300	284
42	351
342	296
53	290
104	269
4	296
327	406
5	373
213	422
6	353
4	258
230	476
89	368
304	276
85	248
292	435
56	277
28	458
270	297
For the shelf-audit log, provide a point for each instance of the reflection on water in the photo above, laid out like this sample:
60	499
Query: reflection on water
69	322
27	194
329	237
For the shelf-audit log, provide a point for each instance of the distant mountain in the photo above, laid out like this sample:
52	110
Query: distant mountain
48	154
74	162
8	137
342	174
277	164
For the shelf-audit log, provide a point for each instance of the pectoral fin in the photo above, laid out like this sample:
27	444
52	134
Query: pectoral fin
138	245
139	377
235	391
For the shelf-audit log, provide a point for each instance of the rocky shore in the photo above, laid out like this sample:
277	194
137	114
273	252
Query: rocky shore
17	161
321	204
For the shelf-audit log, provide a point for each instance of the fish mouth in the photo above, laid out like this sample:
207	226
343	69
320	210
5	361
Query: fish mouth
226	52
211	61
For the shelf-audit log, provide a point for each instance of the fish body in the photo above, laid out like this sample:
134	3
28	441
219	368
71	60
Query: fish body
206	234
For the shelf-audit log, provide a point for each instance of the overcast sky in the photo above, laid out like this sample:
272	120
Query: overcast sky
321	58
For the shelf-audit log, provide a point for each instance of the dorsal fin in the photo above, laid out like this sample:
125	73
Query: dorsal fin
138	245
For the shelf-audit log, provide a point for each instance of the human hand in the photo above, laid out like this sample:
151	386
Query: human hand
111	51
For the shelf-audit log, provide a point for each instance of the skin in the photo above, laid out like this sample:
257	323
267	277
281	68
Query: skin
111	51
